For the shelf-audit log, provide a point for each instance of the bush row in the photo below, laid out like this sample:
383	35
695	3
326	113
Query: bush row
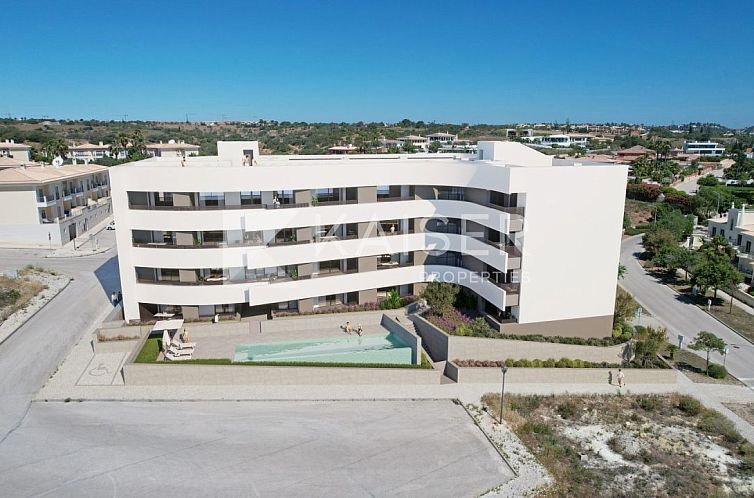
548	363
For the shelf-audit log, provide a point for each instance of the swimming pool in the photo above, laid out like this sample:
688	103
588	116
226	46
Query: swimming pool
372	348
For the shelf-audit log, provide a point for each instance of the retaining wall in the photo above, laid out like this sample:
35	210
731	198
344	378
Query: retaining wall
410	338
442	346
141	374
492	375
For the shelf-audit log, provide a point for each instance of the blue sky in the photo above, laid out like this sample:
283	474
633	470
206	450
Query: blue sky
657	61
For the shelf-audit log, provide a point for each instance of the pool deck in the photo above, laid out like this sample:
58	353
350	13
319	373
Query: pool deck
221	342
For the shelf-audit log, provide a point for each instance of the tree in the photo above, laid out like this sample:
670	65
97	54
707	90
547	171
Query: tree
650	341
621	271
434	147
655	240
708	181
674	257
707	341
625	307
408	147
54	148
440	296
713	267
137	149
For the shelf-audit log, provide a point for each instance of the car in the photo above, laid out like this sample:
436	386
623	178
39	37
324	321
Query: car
111	226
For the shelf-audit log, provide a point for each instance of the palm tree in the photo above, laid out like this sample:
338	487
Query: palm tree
138	146
54	148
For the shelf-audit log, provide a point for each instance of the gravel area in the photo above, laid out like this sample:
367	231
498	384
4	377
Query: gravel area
54	284
531	477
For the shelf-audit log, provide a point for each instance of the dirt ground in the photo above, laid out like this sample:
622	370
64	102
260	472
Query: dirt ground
632	446
638	212
15	293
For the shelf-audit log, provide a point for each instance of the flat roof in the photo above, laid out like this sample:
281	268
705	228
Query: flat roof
177	145
14	146
44	174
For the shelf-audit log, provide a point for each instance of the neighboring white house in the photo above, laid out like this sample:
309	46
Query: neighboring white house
703	148
20	152
91	152
417	141
48	206
560	140
442	137
172	149
535	242
737	226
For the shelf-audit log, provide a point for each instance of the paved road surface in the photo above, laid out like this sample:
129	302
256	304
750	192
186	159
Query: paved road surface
308	449
31	355
680	316
690	185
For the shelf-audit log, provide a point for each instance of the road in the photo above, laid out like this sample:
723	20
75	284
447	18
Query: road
690	185
680	316
31	355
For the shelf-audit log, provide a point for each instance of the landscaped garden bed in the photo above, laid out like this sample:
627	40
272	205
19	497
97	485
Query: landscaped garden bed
631	445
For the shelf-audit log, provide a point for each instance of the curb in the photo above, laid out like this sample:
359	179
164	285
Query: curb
12	332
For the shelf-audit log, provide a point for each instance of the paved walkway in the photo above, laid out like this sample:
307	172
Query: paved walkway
95	241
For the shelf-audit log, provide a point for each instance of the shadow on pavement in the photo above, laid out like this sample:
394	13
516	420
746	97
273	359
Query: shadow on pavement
108	276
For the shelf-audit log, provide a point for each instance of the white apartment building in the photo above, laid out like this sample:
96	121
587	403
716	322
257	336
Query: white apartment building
13	150
737	226
565	141
87	153
48	206
703	148
172	149
535	241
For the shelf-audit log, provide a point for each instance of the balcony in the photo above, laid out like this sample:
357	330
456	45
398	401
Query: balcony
45	201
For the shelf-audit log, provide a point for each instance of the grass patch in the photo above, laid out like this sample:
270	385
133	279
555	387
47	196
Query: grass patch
150	351
693	366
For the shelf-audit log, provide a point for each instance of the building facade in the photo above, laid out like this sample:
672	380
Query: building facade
172	149
703	148
737	226
535	243
13	150
91	152
48	206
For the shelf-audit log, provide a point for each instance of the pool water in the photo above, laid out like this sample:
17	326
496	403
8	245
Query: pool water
372	348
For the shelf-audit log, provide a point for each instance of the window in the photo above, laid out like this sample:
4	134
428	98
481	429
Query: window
211	198
250	198
714	231
738	240
748	246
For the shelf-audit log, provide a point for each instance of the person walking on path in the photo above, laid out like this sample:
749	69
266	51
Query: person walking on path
621	378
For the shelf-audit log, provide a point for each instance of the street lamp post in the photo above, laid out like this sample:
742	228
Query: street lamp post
503	369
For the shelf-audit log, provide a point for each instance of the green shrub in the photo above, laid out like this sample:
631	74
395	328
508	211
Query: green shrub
536	363
717	371
565	363
549	363
648	403
8	296
536	427
567	410
690	406
715	423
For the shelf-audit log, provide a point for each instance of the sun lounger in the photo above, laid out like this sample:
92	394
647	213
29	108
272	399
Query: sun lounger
177	342
180	352
173	357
